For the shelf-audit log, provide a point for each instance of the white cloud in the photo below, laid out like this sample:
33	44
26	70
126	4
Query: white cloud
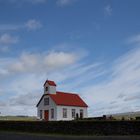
7	39
9	27
65	2
3	72
28	99
31	70
2	104
4	49
55	59
58	2
41	62
38	1
122	86
33	24
134	39
106	90
133	97
29	1
36	63
108	10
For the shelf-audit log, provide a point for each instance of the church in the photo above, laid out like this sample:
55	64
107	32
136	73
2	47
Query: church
56	105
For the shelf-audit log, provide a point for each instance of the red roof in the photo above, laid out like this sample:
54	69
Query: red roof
51	83
66	99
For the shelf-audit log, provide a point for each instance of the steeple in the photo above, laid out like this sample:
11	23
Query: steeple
49	87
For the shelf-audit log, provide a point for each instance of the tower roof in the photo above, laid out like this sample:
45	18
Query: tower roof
51	83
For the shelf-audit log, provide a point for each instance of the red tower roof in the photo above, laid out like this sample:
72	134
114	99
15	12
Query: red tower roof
51	83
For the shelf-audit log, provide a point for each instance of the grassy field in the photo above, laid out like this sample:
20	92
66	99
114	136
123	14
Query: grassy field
126	116
18	118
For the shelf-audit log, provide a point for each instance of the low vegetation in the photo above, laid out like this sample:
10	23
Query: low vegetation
90	127
17	118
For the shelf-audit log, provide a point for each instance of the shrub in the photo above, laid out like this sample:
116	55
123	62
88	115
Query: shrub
137	118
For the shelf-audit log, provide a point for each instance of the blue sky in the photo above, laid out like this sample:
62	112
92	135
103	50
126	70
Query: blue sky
89	47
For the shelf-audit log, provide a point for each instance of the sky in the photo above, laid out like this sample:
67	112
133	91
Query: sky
89	47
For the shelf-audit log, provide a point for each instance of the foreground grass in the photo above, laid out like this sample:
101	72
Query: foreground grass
46	134
94	128
65	135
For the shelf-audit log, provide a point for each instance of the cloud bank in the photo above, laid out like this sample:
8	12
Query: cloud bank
106	90
120	91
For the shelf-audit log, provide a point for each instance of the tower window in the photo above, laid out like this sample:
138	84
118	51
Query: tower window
46	89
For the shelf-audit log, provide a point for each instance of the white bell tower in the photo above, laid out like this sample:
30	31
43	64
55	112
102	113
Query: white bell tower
49	87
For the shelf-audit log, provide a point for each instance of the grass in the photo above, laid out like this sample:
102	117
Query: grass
46	134
95	128
17	118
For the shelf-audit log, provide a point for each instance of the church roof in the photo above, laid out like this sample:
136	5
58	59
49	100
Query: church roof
51	83
66	99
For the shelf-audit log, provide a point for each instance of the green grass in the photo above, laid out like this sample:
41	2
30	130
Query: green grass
17	118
